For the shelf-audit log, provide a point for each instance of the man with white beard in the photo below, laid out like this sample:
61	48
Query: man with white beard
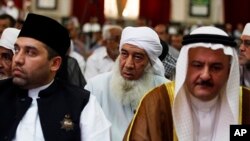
7	42
137	70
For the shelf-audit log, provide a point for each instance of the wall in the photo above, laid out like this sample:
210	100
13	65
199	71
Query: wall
63	9
180	13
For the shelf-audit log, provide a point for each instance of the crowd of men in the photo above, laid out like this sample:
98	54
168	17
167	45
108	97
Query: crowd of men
132	87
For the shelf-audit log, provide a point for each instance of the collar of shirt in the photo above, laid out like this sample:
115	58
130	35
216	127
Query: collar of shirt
33	93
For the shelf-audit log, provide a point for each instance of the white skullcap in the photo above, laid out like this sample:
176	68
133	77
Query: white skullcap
8	38
147	39
246	30
214	38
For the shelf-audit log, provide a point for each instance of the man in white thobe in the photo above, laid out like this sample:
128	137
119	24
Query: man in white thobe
136	71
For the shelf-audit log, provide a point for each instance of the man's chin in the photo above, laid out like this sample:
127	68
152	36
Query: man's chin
204	96
19	81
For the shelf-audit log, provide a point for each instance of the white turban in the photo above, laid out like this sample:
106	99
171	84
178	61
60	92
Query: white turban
246	30
147	39
214	38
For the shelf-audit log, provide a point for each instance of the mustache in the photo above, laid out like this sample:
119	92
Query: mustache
205	83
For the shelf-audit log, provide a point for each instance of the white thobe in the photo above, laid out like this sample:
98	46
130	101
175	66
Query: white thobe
93	123
97	63
119	115
205	117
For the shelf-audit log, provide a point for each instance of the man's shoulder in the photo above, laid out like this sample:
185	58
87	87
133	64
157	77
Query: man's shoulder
6	83
245	91
7	88
159	93
162	78
158	99
73	90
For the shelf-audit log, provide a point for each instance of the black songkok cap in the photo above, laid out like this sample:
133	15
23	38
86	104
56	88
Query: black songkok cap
48	31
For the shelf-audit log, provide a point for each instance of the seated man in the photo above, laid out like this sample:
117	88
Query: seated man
103	58
136	71
7	42
37	106
203	101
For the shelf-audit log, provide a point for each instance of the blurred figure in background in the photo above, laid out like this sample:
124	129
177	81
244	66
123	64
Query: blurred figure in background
6	21
167	59
103	58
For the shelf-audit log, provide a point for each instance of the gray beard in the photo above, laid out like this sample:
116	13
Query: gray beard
2	77
130	92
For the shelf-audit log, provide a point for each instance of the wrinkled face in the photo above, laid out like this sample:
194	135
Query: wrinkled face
207	72
31	67
133	61
5	62
244	56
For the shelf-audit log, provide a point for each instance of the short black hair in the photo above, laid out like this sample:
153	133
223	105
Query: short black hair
10	18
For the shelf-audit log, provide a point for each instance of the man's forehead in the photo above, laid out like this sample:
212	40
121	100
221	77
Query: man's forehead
201	51
133	48
30	42
4	49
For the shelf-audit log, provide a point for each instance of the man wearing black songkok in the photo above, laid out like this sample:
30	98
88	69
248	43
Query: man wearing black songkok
40	106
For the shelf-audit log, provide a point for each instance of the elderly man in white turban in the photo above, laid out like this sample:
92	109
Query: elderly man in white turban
136	71
244	56
205	98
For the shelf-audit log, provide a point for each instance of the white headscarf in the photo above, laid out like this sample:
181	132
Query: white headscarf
246	30
230	100
147	39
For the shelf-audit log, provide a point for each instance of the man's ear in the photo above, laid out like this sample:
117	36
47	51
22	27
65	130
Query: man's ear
55	63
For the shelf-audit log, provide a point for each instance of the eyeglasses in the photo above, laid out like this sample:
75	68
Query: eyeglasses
245	43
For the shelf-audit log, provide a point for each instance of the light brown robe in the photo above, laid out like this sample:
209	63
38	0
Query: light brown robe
153	120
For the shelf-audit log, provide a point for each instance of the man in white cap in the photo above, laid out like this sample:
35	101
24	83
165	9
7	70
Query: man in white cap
136	71
205	98
7	42
244	56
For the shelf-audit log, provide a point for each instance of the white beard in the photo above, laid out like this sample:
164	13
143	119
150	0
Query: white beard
2	77
129	92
